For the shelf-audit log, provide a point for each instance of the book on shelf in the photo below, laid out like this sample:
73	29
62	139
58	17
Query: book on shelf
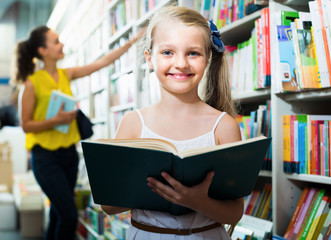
236	166
259	203
319	11
306	144
242	233
319	218
54	105
287	59
310	215
262	229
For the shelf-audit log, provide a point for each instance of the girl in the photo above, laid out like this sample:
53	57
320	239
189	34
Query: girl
54	156
180	43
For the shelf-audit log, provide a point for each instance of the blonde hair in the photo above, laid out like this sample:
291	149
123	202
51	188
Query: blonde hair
217	90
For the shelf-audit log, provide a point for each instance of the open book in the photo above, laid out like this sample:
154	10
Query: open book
54	105
118	170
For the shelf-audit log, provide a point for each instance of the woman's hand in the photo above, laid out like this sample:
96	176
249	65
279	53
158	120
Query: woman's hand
190	197
64	117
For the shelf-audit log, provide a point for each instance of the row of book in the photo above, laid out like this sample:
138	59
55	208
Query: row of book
223	12
304	40
256	50
122	90
120	15
312	216
112	227
124	62
146	5
306	144
256	124
258	203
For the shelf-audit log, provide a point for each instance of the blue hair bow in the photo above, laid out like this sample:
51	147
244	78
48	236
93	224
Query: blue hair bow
216	42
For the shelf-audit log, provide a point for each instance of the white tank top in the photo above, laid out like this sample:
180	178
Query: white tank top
207	139
166	220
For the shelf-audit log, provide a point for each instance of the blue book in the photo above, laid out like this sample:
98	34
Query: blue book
54	105
287	59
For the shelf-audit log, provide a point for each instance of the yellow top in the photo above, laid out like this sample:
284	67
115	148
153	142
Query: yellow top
51	139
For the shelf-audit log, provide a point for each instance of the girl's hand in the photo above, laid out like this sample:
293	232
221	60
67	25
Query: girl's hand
64	117
190	197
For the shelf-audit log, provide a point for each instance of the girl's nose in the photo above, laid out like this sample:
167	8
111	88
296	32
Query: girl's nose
181	61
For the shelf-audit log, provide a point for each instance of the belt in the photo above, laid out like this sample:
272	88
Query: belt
188	231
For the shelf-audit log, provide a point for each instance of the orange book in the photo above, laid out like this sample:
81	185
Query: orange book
287	143
296	212
252	202
325	38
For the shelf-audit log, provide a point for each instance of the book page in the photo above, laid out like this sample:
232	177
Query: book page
196	151
146	143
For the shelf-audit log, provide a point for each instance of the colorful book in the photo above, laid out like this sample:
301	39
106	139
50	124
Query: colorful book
301	216
311	215
326	228
54	105
236	166
287	59
296	212
319	218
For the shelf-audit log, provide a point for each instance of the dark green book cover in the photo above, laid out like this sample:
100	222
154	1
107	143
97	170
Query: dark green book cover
118	174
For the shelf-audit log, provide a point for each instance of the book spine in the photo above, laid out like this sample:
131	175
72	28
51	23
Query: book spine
325	38
329	147
296	212
320	216
312	214
307	214
326	149
302	214
286	143
292	143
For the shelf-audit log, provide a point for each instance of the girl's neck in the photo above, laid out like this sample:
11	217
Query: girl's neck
183	103
50	67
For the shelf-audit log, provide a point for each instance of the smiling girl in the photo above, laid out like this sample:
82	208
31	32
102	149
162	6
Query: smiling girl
181	48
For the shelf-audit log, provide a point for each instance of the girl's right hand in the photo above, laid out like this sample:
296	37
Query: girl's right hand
64	117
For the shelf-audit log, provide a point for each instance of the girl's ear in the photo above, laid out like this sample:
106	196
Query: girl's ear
148	58
42	51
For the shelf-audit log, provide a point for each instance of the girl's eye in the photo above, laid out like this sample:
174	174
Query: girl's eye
194	54
166	52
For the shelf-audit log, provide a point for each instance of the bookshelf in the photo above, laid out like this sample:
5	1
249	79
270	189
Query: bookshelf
79	38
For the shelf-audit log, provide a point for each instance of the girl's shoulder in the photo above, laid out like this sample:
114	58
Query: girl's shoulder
130	126
227	130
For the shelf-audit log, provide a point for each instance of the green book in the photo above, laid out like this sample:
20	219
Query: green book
118	170
287	17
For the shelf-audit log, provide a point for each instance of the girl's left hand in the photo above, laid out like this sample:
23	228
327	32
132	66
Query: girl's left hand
190	197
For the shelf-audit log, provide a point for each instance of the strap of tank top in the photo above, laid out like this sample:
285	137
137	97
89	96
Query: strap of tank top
218	120
141	117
